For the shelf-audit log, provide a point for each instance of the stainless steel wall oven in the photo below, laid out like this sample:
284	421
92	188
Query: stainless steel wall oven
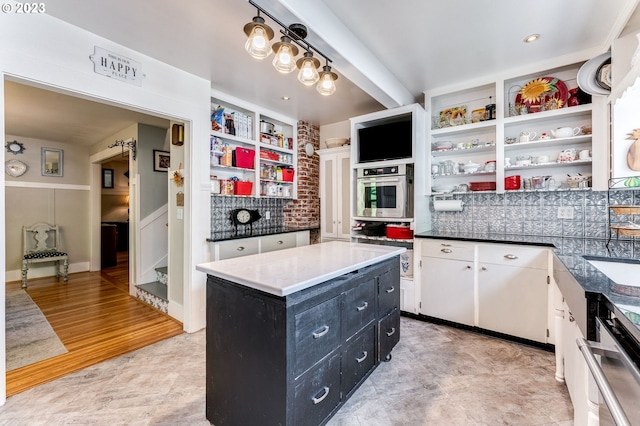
385	192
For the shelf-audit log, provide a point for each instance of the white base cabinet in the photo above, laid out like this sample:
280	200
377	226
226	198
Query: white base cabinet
497	287
335	184
229	249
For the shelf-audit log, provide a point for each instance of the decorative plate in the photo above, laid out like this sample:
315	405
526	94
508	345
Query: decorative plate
15	168
548	90
453	116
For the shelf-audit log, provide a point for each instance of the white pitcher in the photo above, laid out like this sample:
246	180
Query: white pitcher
527	136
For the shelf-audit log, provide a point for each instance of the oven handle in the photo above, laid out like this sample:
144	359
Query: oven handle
603	384
371	180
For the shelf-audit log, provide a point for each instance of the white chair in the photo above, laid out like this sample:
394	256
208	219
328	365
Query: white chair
40	244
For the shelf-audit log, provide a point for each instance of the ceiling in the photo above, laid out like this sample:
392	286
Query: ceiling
385	53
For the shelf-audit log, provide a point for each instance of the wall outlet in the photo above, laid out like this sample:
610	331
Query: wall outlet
267	215
565	212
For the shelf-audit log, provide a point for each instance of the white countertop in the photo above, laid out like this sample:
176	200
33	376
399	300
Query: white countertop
284	272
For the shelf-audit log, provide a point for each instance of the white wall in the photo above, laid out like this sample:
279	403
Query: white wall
51	54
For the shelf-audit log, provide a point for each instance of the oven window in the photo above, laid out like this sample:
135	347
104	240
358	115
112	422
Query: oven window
380	197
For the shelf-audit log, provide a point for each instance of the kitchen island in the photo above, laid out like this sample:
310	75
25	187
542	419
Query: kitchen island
292	334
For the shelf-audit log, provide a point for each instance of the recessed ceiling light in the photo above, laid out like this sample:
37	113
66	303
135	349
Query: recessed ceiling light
285	98
531	38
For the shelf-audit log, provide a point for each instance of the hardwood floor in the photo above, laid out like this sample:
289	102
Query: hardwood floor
95	318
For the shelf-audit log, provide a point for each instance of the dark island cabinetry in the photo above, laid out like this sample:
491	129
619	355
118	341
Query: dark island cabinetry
294	360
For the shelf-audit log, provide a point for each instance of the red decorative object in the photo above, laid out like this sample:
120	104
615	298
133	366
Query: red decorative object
242	187
559	92
574	100
482	186
287	175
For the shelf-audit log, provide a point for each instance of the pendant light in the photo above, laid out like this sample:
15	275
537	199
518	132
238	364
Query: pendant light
259	34
286	52
327	84
308	65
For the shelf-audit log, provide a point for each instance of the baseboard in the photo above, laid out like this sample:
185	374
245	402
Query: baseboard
41	271
176	311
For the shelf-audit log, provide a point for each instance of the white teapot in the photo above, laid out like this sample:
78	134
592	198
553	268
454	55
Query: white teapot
527	136
565	132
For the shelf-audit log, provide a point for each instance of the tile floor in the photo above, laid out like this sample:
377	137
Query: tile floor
438	376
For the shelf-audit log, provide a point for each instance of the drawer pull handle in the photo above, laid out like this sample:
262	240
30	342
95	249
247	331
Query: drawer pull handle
391	332
319	399
468	266
510	256
321	333
446	250
240	248
362	307
364	356
280	242
390	289
445	245
484	268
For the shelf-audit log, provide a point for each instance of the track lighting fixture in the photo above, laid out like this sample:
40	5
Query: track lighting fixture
257	45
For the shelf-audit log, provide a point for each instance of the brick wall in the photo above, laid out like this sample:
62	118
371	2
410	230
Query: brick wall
305	211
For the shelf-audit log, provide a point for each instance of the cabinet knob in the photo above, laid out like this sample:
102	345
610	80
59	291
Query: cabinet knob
324	330
362	307
446	250
280	242
240	248
571	318
510	256
362	358
484	268
320	396
468	266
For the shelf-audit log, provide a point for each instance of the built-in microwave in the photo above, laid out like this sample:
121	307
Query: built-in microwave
385	192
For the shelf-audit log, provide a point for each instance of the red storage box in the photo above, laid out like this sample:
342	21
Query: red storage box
244	157
287	175
242	187
399	232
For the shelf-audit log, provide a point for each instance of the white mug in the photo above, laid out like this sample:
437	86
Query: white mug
584	154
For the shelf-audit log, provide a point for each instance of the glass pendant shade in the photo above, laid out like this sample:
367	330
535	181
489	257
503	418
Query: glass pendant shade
259	34
327	84
284	60
308	65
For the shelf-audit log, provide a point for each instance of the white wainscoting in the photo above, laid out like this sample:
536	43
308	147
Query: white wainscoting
153	244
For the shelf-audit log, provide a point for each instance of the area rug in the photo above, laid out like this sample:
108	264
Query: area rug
29	335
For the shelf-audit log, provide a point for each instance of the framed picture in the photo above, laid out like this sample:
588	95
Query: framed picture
161	161
52	161
107	178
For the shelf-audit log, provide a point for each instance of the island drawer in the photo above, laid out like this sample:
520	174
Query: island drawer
358	307
316	334
358	359
388	334
317	393
237	248
388	293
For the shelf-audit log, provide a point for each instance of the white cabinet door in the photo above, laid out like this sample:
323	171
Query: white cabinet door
447	289
335	168
513	300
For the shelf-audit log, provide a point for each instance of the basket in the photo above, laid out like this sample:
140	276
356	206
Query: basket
625	231
242	187
267	155
287	175
243	158
626	209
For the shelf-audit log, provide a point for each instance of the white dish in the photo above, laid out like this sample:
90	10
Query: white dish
444	188
15	168
587	75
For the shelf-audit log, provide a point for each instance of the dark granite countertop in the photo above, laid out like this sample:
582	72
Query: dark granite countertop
247	233
575	254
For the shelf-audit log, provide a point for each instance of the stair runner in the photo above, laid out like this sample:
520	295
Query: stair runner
155	293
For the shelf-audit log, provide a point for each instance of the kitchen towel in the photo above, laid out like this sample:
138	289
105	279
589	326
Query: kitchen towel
448	205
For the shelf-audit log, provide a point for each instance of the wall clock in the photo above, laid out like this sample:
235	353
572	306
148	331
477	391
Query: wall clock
15	147
244	217
15	168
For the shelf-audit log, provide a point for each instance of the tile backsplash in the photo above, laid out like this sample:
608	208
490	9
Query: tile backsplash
536	213
221	207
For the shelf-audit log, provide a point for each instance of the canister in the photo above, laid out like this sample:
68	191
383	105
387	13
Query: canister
215	185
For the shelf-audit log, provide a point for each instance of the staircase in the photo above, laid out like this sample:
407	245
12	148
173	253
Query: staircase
155	293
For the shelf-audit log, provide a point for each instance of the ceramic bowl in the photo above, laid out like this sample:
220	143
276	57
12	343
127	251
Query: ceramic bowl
471	167
335	142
